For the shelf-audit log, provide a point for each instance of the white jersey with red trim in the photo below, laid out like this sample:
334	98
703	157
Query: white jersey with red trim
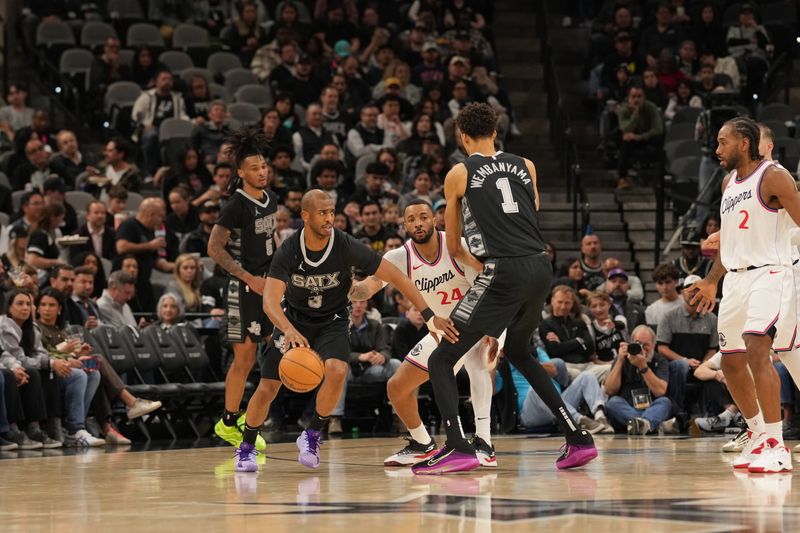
752	233
442	282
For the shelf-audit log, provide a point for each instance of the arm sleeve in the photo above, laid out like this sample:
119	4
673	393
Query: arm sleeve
625	118
127	232
10	339
355	143
656	124
38	243
363	258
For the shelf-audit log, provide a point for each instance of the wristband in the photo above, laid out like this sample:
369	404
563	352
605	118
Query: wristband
427	314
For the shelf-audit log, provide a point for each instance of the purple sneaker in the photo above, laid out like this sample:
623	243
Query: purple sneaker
246	458
308	443
575	455
447	461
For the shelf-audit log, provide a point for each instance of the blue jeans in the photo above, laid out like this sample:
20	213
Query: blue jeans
787	384
372	374
678	376
150	150
584	387
79	388
4	427
620	411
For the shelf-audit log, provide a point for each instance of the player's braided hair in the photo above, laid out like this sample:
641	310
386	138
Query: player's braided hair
747	128
246	142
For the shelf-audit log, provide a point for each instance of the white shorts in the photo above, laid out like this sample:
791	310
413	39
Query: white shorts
754	302
419	355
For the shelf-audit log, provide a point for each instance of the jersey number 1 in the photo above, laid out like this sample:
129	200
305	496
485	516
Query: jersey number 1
745	218
508	205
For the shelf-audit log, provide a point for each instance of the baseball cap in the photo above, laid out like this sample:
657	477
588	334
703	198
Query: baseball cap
439	204
746	8
429	45
617	272
622	36
462	35
690	238
391	80
342	48
377	168
457	59
690	280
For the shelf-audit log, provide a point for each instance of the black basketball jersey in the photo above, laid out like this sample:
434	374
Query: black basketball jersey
317	283
251	222
499	208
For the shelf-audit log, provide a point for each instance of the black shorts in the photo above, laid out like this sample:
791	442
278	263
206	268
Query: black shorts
329	337
505	289
244	313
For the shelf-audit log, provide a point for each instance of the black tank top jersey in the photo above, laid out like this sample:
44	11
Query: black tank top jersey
251	222
499	208
317	283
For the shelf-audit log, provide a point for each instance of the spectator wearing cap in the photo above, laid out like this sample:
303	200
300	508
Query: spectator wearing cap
666	277
374	189
69	162
333	120
16	114
686	338
55	190
430	70
458	69
309	139
102	238
642	128
183	217
196	242
151	108
635	287
394	128
365	137
691	262
438	214
246	35
397	80
372	233
35	170
117	169
335	27
207	137
662	35
325	176
617	287
623	54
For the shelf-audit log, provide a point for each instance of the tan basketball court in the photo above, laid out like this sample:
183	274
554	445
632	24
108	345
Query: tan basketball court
653	484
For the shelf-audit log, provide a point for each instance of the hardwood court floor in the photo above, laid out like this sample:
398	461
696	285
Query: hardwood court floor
637	484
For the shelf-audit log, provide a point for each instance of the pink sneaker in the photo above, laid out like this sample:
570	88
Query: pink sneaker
447	461
575	455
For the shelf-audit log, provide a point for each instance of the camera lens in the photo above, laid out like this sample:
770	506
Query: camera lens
634	348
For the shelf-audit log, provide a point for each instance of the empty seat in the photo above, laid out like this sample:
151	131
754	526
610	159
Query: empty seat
76	63
175	60
255	94
188	36
79	200
218	92
685	168
119	95
687	114
144	34
54	32
680	132
221	62
194	353
113	344
172	128
776	111
686	148
94	33
188	73
247	114
237	77
125	9
134	201
778	128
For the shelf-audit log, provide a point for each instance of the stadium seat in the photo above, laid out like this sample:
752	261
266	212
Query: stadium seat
175	60
787	152
4	180
188	36
685	168
686	115
126	57
221	62
685	148
125	9
680	132
218	92
121	94
237	77
776	111
144	34
16	199
76	63
94	34
247	114
134	201
4	219
172	128
79	200
361	165
779	13
255	94
778	128
51	33
194	352
188	73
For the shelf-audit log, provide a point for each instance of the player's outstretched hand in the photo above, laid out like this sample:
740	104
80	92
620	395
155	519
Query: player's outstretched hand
705	295
445	327
711	243
292	339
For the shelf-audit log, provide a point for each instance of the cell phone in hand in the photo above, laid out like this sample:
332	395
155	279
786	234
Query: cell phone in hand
91	363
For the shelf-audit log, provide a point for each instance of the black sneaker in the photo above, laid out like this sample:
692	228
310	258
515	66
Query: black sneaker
47	443
23	441
7	446
411	454
484	451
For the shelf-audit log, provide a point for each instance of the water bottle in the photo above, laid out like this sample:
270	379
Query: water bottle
161	231
354	432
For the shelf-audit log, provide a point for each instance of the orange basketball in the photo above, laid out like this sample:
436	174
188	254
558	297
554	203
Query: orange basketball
301	369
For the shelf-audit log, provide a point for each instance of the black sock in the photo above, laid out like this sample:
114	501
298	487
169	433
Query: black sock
537	376
229	418
443	381
250	434
318	422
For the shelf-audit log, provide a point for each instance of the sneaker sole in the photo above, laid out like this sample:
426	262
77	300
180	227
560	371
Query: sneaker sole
762	470
412	459
253	468
451	468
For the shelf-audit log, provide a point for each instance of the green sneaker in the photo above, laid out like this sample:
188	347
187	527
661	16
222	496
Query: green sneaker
233	434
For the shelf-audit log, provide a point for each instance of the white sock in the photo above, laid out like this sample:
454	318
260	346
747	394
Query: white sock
480	390
420	434
774	431
756	424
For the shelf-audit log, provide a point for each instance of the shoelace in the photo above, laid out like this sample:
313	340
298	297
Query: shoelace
313	442
241	455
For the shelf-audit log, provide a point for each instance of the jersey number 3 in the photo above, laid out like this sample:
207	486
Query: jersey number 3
745	218
508	205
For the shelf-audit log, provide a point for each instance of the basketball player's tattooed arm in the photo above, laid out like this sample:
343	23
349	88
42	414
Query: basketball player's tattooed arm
216	251
391	274
455	186
273	294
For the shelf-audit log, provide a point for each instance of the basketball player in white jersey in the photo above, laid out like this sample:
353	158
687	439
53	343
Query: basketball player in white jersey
758	309
442	283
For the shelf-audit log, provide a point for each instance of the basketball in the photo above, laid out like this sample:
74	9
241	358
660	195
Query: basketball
301	369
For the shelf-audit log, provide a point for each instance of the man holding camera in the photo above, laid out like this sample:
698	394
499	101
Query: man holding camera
637	386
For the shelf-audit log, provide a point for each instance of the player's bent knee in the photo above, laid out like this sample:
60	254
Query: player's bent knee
336	370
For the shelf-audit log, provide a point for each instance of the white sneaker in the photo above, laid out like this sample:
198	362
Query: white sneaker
83	439
775	457
142	407
738	443
752	451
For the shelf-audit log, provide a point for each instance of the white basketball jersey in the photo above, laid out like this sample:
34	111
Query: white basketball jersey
442	283
752	233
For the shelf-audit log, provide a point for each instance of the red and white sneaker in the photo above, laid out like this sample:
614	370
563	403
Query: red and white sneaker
774	457
752	451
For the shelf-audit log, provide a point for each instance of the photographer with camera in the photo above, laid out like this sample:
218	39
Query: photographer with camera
637	386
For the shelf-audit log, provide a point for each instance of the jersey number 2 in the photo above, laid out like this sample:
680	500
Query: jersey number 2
454	296
508	205
745	218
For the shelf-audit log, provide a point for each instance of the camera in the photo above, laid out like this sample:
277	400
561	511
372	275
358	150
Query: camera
635	348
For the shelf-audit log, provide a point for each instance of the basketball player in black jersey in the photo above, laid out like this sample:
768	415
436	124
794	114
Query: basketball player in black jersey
241	243
496	194
313	270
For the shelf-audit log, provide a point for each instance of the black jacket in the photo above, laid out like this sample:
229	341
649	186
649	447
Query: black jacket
575	342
